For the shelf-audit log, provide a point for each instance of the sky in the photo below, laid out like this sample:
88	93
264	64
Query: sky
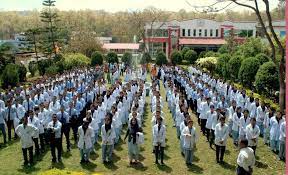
115	5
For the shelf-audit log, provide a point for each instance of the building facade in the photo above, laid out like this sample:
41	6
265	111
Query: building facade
198	34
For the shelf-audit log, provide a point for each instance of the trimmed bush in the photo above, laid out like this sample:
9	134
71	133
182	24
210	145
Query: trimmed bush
33	66
191	56
10	75
112	57
208	63
262	58
202	54
211	54
176	57
266	79
127	58
146	58
223	49
248	70
184	51
161	59
43	64
22	71
51	70
222	65
75	60
233	66
96	59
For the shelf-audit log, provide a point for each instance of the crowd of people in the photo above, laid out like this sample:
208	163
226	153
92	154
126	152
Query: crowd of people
80	101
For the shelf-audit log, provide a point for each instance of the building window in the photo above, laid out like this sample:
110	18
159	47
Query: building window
194	32
211	32
188	32
200	32
183	32
205	32
216	33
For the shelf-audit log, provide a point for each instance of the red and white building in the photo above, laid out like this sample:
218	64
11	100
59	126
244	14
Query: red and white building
198	34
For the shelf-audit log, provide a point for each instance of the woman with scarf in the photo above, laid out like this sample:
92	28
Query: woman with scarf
132	134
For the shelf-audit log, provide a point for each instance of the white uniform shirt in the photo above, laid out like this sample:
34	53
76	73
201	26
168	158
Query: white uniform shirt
246	158
25	134
221	134
252	133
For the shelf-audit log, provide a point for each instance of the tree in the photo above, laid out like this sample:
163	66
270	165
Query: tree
266	80
222	66
161	59
22	71
208	63
112	57
233	66
212	54
33	66
31	35
262	58
10	75
50	17
146	58
176	57
96	59
127	58
184	51
248	70
231	43
191	56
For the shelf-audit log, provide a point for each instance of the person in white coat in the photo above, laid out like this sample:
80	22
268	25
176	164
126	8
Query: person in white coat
32	120
252	134
244	121
108	138
275	123
159	136
190	138
282	142
236	123
245	160
54	130
221	135
204	108
211	117
26	131
260	116
85	141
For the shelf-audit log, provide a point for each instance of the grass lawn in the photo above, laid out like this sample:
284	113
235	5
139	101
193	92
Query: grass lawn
204	160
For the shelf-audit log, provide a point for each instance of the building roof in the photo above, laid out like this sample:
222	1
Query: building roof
201	41
127	46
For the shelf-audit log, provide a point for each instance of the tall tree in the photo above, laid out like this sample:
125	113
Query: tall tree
31	38
50	17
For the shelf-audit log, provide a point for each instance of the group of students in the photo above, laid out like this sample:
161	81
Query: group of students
78	100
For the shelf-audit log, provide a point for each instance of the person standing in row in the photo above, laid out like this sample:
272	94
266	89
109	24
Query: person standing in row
252	134
221	135
54	129
159	136
85	145
246	159
190	137
26	131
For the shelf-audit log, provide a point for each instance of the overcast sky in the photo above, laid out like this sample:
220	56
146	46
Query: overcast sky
116	5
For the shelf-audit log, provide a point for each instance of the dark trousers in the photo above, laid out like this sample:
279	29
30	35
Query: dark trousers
25	156
56	144
66	131
47	137
3	130
159	151
208	134
212	137
242	171
9	127
254	149
203	125
36	143
220	150
42	141
199	121
74	127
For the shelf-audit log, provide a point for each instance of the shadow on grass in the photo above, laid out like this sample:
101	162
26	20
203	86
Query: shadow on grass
58	165
139	167
28	170
195	169
111	166
115	157
118	146
164	168
262	165
89	166
66	155
228	166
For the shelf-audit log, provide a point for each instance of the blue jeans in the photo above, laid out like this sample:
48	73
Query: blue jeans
107	152
274	145
3	130
261	127
85	154
235	135
178	131
188	155
282	149
266	135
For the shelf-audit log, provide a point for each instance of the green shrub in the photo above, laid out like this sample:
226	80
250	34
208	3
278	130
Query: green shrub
233	66
252	47
10	75
33	67
75	60
22	71
51	70
96	59
184	51
43	64
191	56
208	63
176	57
112	57
262	58
161	59
266	79
58	57
222	65
146	58
202	54
127	58
248	70
223	49
211	54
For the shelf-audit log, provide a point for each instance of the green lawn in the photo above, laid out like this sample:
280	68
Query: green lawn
204	160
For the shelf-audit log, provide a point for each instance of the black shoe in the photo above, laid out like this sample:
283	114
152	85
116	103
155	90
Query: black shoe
217	161
162	163
156	162
60	160
53	160
82	161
